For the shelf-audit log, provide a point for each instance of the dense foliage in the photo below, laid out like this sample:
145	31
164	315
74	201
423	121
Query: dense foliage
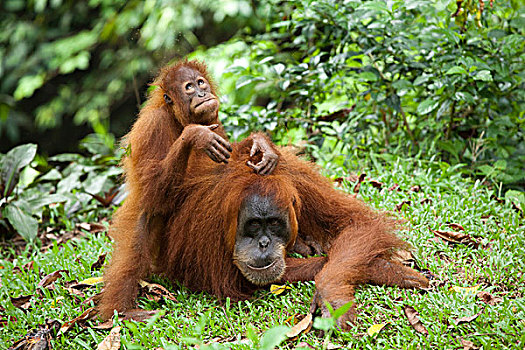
401	77
83	59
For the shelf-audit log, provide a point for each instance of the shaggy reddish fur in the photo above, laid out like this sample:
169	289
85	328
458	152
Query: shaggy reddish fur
180	216
155	168
197	246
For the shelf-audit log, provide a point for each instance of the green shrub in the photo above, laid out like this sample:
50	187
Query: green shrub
398	76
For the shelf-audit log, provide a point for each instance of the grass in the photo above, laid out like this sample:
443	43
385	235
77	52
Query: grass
496	265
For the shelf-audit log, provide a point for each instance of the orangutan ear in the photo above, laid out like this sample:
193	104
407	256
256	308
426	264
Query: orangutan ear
168	99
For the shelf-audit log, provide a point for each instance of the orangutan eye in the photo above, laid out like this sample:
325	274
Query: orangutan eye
189	86
200	82
274	222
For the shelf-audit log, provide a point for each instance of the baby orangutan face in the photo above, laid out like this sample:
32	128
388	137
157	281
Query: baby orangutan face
193	94
263	231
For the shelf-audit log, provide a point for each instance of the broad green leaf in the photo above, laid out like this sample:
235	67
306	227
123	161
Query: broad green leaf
95	183
501	164
427	106
15	159
486	169
483	75
27	86
456	70
279	68
246	80
46	199
367	76
22	222
80	61
27	176
423	78
324	324
51	175
517	198
378	6
273	337
342	310
464	96
66	157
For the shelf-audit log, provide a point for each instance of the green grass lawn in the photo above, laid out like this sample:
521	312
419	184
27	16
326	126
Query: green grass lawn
494	262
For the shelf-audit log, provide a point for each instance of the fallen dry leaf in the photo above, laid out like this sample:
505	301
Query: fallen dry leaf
22	302
100	261
468	319
456	227
404	256
415	188
138	315
301	326
465	290
358	184
90	281
278	289
425	201
454	237
467	344
80	320
394	187
488	298
154	291
376	328
303	345
413	319
95	299
37	339
26	267
376	184
75	292
49	279
112	341
403	203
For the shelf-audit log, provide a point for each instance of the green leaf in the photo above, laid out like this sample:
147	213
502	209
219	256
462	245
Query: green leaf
27	86
483	75
516	197
500	164
324	324
27	177
51	175
95	183
423	78
273	337
245	80
22	222
37	203
456	70
378	6
368	76
15	159
342	310
427	106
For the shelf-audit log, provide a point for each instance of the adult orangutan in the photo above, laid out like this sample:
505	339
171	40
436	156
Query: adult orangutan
180	118
230	231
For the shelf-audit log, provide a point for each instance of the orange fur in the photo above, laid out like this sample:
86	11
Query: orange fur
197	246
180	217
